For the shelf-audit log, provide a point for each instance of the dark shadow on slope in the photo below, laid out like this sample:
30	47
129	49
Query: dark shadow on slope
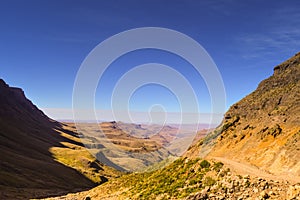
102	158
27	168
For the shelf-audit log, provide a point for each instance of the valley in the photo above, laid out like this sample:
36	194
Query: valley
134	147
253	154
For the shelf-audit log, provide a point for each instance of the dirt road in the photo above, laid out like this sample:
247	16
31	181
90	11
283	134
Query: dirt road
248	169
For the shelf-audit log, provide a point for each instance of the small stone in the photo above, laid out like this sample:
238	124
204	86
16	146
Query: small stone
207	189
204	196
270	187
211	195
240	198
263	184
260	179
246	177
245	181
264	195
221	197
293	192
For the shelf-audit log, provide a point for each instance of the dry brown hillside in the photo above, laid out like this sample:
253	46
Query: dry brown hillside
262	129
124	146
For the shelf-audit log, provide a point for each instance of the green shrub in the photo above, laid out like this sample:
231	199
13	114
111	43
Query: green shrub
209	181
205	164
217	166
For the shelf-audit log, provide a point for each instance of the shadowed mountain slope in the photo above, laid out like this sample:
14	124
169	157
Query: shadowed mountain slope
27	168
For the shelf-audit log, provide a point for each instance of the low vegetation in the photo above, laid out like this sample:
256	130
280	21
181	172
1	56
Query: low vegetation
178	180
77	157
190	179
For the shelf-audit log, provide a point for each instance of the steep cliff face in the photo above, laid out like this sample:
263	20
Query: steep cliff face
13	99
27	168
264	127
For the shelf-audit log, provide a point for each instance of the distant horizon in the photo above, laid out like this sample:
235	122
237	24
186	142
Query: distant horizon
137	117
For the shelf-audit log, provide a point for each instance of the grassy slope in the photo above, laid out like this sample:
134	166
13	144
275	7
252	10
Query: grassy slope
59	169
190	179
78	158
178	180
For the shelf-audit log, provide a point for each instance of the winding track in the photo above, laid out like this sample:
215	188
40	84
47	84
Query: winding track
248	169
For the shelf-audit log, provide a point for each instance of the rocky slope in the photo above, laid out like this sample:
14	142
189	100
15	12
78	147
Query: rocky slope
190	179
263	129
35	150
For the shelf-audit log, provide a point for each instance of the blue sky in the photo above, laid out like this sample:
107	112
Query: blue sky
43	43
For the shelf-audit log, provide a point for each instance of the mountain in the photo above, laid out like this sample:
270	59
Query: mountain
252	154
36	152
120	146
259	134
262	129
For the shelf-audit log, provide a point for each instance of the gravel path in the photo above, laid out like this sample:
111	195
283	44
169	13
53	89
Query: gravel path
248	169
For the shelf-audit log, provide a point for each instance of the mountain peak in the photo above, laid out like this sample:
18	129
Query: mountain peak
3	84
287	64
14	104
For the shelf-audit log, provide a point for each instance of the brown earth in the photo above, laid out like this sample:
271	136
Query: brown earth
131	147
262	129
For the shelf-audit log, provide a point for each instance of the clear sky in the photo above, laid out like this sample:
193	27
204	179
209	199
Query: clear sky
43	43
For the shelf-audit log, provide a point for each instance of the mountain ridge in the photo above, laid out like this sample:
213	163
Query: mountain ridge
263	128
31	144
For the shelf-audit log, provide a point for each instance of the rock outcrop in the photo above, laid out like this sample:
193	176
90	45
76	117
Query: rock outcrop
263	128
